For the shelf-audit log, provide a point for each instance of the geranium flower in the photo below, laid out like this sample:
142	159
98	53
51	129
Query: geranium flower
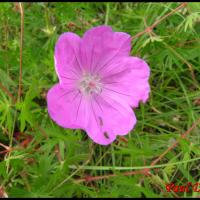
99	83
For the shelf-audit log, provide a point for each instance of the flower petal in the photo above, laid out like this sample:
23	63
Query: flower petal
128	78
108	119
100	45
66	57
67	107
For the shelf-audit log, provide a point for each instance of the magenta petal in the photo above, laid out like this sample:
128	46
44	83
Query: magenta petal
128	78
109	119
67	107
66	57
100	45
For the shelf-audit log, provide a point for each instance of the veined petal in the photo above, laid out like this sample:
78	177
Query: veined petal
100	45
128	78
108	119
66	57
67	107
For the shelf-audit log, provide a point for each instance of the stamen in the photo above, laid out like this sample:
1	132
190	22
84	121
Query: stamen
90	84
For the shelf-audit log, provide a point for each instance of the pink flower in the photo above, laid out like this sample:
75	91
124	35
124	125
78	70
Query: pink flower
99	83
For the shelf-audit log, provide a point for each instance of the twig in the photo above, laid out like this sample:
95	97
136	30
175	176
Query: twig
58	154
176	143
4	146
21	48
7	149
150	31
187	42
150	28
95	178
145	172
123	139
7	92
4	151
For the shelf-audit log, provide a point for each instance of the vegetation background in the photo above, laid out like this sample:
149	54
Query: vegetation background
40	159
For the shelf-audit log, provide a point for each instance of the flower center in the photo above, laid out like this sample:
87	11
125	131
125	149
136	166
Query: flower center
90	84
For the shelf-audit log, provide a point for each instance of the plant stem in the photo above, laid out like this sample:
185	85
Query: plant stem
150	28
107	168
107	13
21	49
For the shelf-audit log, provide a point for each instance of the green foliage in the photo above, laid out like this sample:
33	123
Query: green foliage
49	161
